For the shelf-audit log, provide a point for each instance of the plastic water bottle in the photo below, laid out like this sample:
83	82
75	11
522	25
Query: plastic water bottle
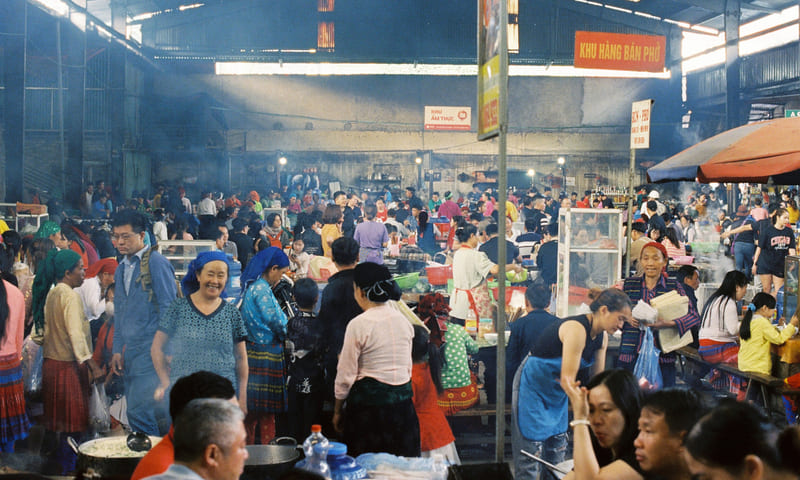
313	439
439	467
316	449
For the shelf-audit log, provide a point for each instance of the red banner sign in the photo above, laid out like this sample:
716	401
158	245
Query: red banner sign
619	51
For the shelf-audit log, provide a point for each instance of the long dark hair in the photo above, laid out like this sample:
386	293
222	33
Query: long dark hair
672	236
422	349
423	223
627	396
6	259
726	293
760	300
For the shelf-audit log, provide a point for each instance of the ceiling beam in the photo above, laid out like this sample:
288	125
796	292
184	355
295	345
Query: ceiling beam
614	16
718	6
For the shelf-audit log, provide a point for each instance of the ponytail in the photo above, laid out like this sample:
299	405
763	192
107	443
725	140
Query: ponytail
760	300
423	350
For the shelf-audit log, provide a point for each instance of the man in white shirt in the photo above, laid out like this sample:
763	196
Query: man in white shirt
206	205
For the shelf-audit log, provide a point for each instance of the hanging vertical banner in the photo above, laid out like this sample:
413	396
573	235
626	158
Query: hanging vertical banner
640	124
489	36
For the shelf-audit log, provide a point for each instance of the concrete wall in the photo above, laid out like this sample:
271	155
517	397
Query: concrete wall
345	125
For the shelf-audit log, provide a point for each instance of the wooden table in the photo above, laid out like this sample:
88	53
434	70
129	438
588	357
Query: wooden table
788	358
789	352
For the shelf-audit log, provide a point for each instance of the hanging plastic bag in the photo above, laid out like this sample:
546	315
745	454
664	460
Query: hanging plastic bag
647	371
99	417
32	360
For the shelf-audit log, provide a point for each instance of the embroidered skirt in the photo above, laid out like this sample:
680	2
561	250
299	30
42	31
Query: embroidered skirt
14	423
266	384
454	400
65	391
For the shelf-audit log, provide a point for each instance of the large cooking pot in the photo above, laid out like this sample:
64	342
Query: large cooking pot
107	458
270	461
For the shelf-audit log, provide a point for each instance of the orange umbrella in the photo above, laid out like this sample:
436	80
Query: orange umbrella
755	153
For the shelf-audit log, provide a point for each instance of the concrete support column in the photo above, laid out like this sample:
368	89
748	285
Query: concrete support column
13	22
116	95
734	109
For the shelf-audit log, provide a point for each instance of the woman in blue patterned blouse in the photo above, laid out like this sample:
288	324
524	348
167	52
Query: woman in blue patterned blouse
201	331
266	331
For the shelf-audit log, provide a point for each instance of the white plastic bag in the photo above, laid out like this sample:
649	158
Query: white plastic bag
99	417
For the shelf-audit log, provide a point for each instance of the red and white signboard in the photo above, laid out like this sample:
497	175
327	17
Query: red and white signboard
640	124
448	118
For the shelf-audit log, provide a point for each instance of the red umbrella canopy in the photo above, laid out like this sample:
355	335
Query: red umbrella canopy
750	153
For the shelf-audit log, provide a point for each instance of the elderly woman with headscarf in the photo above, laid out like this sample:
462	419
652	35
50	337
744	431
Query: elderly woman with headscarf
266	331
652	283
98	277
68	367
201	331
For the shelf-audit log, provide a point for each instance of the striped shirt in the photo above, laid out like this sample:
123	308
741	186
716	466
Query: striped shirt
636	289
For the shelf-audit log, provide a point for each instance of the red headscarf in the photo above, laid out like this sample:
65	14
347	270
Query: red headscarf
661	248
106	265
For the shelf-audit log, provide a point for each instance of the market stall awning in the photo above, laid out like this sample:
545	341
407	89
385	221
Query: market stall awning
752	153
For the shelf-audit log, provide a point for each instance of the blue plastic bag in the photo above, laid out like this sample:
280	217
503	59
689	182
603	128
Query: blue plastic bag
647	371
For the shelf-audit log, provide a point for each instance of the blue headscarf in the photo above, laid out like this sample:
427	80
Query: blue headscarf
189	284
266	259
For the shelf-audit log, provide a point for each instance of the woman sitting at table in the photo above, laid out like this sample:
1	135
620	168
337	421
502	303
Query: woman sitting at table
373	376
652	283
719	329
470	269
757	334
606	413
539	403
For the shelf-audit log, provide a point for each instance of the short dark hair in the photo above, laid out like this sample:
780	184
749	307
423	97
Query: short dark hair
344	251
130	217
538	296
684	272
491	229
239	224
305	292
682	408
531	224
200	384
652	205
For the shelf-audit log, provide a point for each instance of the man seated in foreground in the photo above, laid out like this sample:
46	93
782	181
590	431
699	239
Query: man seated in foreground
197	385
667	417
210	442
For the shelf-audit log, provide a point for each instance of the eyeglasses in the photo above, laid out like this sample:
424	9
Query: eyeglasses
124	236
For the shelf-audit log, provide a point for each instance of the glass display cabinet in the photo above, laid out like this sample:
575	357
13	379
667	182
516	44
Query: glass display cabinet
181	252
589	254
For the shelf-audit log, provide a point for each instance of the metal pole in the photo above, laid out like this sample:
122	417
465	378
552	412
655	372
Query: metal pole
631	194
502	181
61	110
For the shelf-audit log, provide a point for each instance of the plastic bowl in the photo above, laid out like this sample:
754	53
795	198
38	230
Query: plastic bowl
407	282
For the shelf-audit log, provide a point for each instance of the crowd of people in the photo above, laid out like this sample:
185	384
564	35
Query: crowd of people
99	305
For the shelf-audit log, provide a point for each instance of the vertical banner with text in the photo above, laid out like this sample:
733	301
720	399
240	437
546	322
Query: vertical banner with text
640	124
489	35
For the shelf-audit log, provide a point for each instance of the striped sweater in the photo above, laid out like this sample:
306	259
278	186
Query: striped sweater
636	289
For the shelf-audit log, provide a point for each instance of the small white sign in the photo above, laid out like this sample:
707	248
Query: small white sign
640	124
570	181
448	118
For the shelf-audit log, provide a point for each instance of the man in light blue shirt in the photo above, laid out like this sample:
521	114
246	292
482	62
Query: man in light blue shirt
145	288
